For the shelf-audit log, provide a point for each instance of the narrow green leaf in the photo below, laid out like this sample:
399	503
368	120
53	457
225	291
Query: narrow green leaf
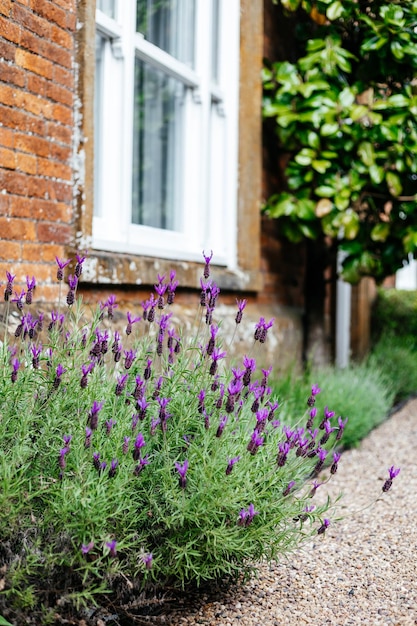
4	622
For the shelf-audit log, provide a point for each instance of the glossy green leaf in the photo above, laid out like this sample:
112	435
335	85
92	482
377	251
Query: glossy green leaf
334	11
320	165
394	183
380	232
366	153
376	173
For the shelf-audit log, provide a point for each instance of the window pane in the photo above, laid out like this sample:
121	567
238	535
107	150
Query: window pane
169	24
98	121
215	42
108	7
157	148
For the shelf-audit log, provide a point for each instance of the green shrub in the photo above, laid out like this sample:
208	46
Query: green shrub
396	358
360	393
138	463
395	313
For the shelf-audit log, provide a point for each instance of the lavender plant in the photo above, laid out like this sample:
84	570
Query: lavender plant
144	456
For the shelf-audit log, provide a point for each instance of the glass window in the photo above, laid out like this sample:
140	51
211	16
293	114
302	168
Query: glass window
168	24
108	7
157	139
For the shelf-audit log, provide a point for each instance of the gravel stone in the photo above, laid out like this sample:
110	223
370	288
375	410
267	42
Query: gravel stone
363	570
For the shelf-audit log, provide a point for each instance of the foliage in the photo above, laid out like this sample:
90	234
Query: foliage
362	393
395	357
395	313
135	463
346	121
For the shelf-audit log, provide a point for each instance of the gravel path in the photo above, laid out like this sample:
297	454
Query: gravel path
364	569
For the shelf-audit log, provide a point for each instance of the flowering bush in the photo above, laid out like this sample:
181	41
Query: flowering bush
141	458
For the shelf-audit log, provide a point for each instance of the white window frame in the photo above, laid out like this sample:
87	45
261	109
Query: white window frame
210	172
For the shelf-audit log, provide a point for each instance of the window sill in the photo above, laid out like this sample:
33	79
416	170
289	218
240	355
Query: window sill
105	268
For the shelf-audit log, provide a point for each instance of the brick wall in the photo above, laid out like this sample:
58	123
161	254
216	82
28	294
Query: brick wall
36	137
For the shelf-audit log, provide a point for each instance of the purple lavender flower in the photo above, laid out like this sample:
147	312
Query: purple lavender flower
182	471
221	426
250	366
130	321
147	559
61	266
113	468
9	286
110	305
314	488
283	450
125	447
147	372
246	517
328	431
36	352
87	547
141	406
96	460
230	463
121	384
261	329
15	369
173	284
321	453
112	546
336	459
288	488
311	417
315	390
130	356
393	472
93	414
323	527
212	341
272	408
72	283
61	458
31	284
139	467
216	356
60	370
139	444
79	265
86	369
201	397
19	299
87	440
207	259
256	441
109	425
240	308
342	425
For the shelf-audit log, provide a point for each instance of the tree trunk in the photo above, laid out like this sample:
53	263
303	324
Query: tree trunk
319	304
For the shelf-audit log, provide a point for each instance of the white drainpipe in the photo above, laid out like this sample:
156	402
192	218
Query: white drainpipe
343	316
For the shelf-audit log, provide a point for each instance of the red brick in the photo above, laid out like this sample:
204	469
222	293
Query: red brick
33	104
50	211
4	204
37	84
7	95
13	182
47	293
10	250
53	233
71	21
10	74
7	51
17	119
7	159
59	94
31	21
5	6
38	187
63	77
9	31
62	114
7	138
54	170
21	206
60	133
15	229
61	37
60	153
31	251
41	271
26	163
59	191
50	11
34	145
34	63
51	251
